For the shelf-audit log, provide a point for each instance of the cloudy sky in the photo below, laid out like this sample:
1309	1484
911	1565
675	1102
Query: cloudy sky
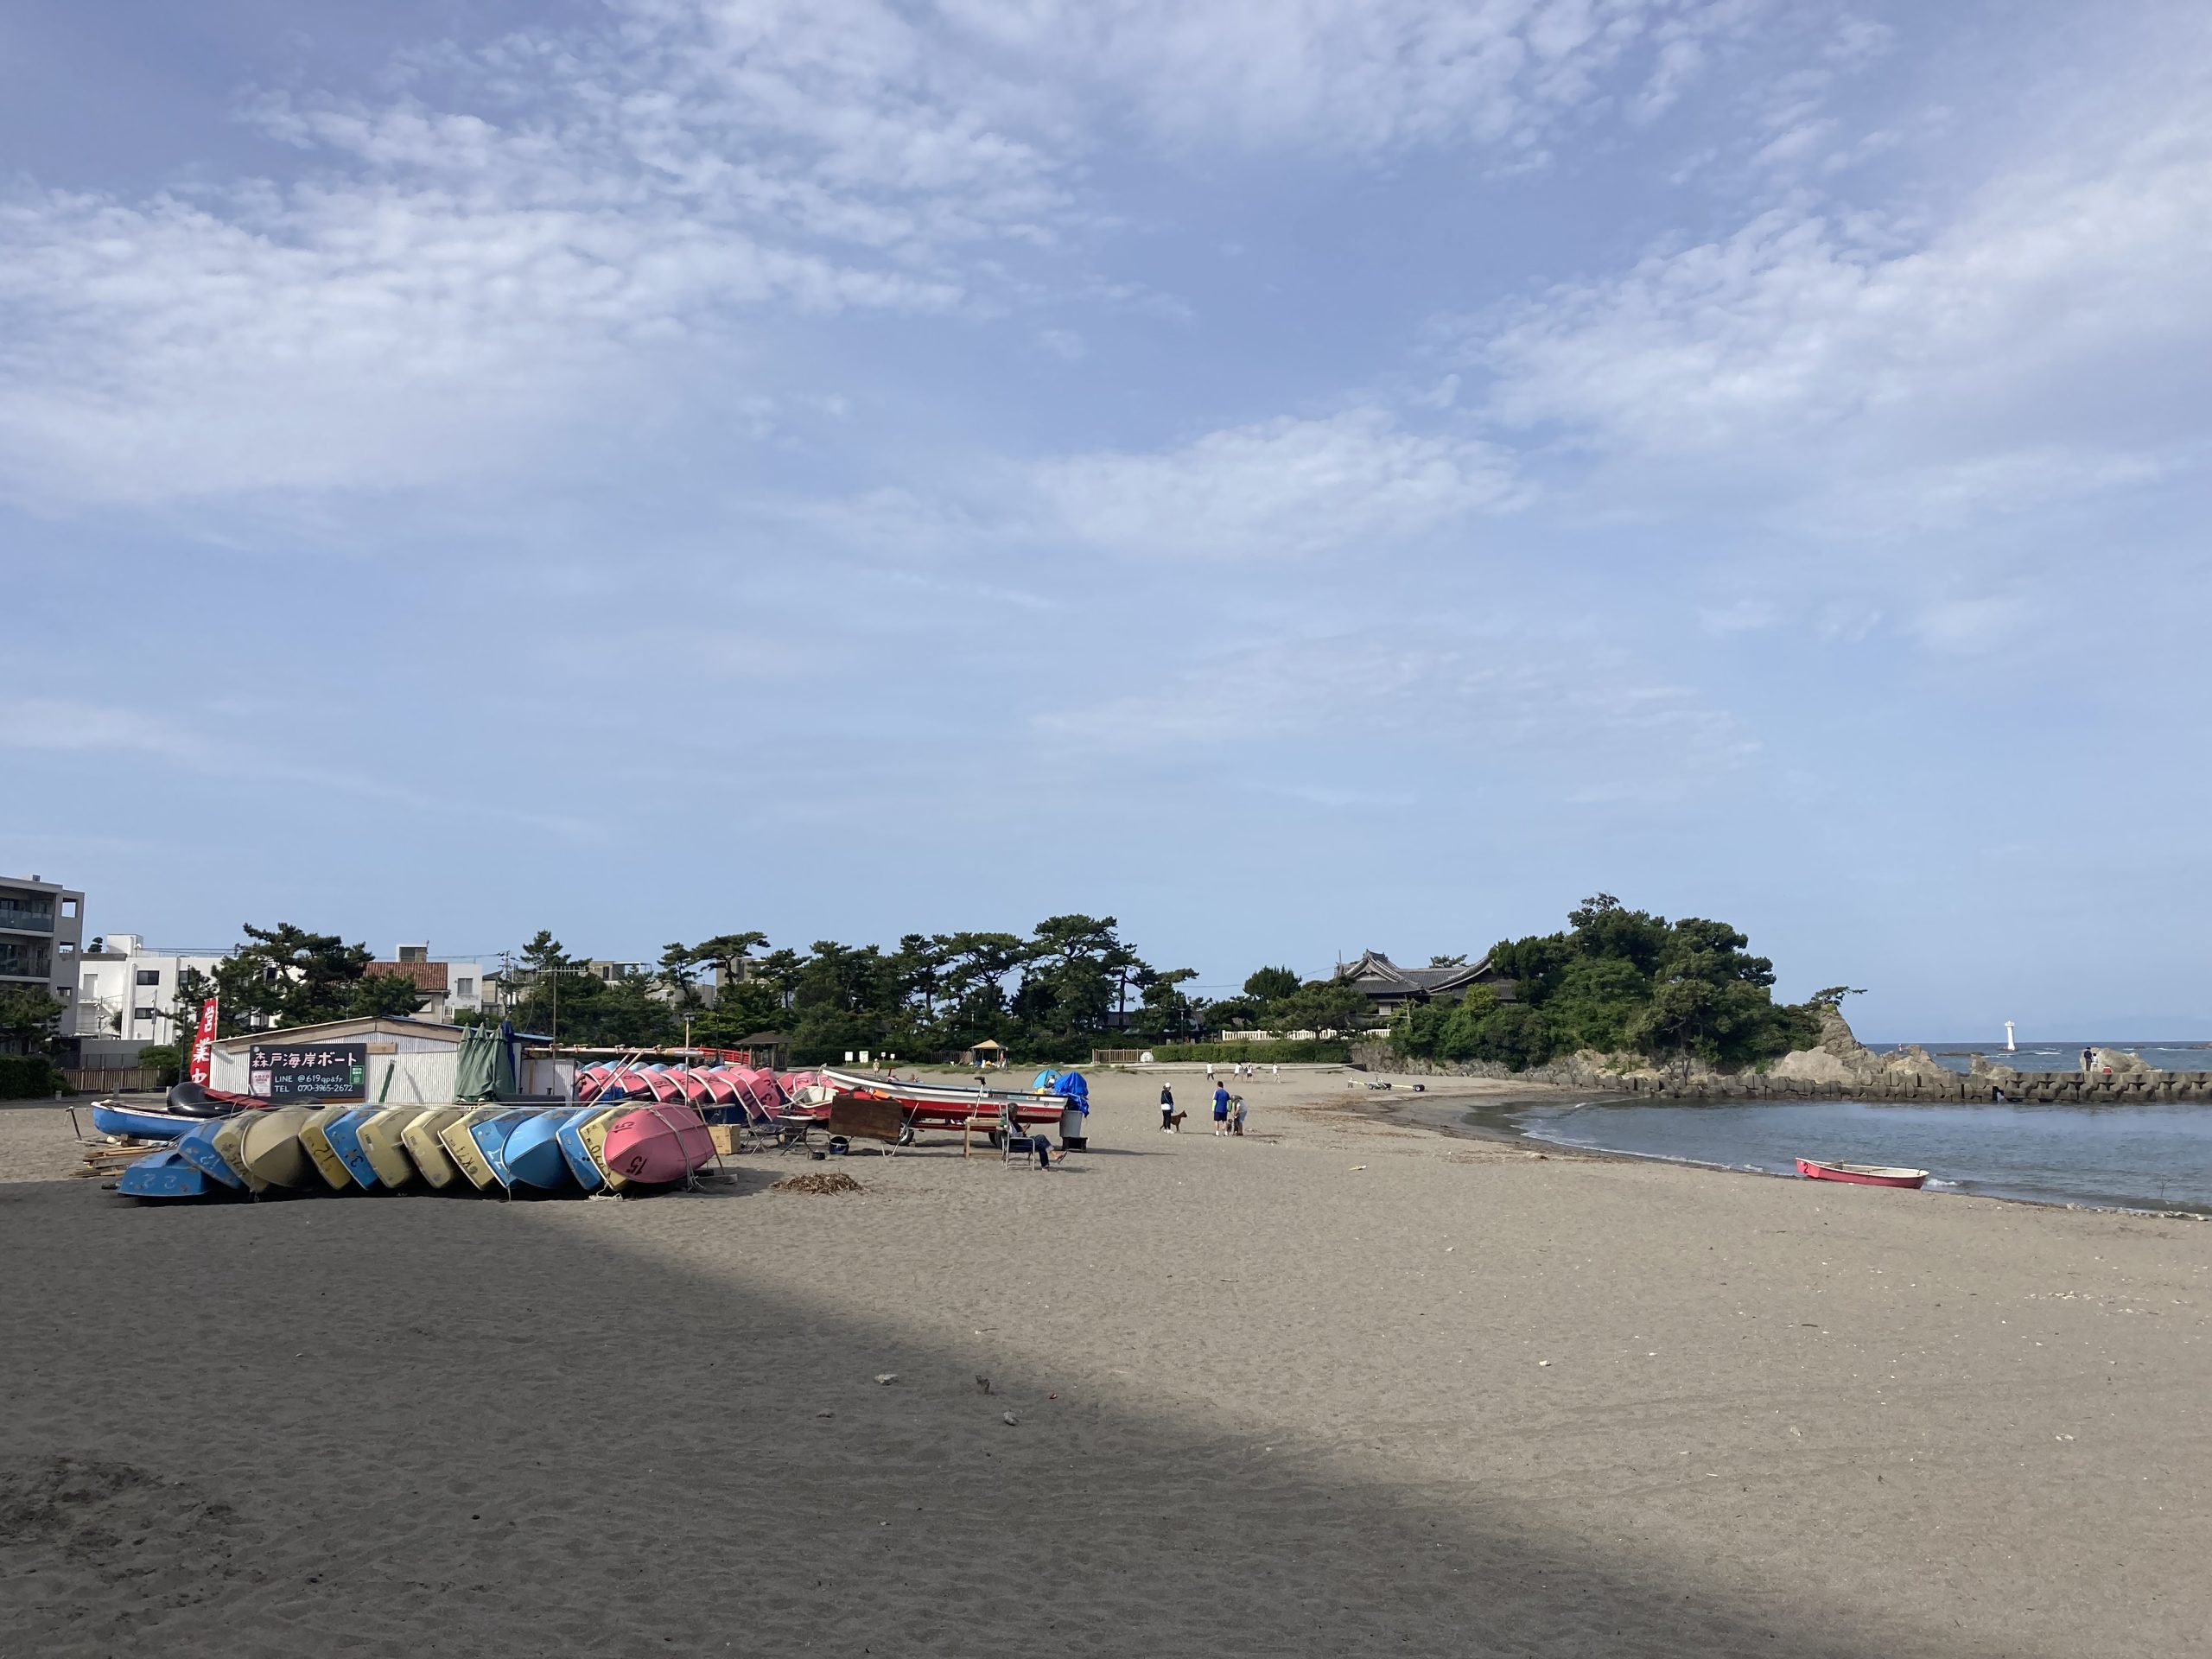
1297	477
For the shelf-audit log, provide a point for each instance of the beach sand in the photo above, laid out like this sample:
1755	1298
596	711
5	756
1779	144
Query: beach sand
1340	1387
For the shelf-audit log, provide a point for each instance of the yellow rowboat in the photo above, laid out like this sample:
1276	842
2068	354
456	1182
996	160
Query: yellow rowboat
593	1135
420	1137
460	1147
381	1144
315	1135
272	1150
229	1142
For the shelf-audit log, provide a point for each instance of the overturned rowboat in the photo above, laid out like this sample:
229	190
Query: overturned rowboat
1860	1174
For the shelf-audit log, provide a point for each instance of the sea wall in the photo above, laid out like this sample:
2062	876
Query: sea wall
1839	1067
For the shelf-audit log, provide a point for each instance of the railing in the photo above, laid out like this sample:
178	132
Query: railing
112	1080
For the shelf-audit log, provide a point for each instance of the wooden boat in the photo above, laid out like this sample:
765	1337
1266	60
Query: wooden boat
381	1144
343	1132
229	1142
165	1175
272	1151
315	1135
196	1145
460	1146
656	1143
584	1156
426	1150
533	1156
1860	1174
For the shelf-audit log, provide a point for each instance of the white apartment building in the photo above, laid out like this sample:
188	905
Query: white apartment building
126	989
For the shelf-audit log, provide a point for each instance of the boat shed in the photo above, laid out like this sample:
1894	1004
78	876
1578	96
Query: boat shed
391	1061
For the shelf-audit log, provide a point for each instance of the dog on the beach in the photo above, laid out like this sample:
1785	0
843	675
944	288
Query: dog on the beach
1174	1123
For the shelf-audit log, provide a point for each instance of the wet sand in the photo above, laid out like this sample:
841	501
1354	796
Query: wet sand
1341	1387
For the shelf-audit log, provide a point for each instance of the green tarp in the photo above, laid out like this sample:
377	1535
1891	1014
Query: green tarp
485	1068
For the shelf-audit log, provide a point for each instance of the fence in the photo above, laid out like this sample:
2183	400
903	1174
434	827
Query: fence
112	1080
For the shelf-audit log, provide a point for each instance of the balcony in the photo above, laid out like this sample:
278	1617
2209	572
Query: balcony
26	913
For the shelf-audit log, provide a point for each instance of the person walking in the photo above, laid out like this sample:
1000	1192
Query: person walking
1221	1108
1168	1108
1209	1071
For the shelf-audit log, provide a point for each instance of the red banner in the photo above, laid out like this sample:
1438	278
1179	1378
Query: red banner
203	1045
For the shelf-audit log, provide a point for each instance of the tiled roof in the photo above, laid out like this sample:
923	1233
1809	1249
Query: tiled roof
429	977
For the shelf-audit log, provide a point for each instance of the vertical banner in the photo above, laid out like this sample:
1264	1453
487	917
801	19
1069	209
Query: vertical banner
203	1045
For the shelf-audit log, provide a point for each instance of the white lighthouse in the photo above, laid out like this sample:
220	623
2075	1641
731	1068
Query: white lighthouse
2009	1045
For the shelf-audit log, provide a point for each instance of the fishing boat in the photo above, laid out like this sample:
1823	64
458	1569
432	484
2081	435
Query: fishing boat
315	1135
532	1154
932	1105
343	1132
458	1140
585	1149
381	1144
1860	1174
165	1175
271	1148
196	1145
229	1140
657	1143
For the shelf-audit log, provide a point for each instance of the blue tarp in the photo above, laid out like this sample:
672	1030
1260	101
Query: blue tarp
1073	1089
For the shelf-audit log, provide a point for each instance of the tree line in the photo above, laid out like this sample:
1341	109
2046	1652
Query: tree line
1070	984
1620	981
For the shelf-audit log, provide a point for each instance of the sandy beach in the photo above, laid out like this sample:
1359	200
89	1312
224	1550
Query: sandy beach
1340	1387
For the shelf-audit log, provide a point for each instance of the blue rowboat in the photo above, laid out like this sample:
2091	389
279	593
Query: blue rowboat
569	1138
344	1134
196	1145
533	1152
164	1175
143	1124
490	1134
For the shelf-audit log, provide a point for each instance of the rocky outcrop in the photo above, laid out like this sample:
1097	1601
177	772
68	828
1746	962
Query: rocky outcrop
2118	1063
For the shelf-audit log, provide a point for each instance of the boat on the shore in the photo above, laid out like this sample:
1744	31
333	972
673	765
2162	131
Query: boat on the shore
657	1143
164	1174
1860	1174
229	1142
425	1150
272	1151
490	1134
196	1145
584	1151
381	1144
460	1146
932	1105
533	1156
344	1134
314	1136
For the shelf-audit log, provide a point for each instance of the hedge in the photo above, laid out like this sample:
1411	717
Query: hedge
1315	1052
31	1077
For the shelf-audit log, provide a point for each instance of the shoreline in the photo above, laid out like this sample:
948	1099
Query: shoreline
1488	1118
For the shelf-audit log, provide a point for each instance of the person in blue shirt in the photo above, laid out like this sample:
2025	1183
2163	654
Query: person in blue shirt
1221	1108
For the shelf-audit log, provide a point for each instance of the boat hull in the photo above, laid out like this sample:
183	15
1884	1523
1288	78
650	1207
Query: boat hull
196	1145
272	1149
657	1144
343	1132
1861	1174
141	1123
583	1166
315	1135
426	1149
230	1142
533	1153
459	1139
164	1175
382	1145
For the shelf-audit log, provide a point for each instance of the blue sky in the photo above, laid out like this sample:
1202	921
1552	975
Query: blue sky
1356	472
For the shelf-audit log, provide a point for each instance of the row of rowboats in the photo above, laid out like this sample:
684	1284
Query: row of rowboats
502	1150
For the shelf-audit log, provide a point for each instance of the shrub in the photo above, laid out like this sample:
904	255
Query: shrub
31	1077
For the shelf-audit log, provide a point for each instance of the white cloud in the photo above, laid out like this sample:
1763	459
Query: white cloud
2037	343
1285	486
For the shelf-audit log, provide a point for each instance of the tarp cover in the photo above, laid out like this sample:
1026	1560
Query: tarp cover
1073	1089
485	1068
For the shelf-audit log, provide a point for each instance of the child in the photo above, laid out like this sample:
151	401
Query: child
1221	1108
1236	1116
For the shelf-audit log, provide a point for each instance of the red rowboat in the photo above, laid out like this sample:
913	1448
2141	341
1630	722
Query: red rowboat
1860	1174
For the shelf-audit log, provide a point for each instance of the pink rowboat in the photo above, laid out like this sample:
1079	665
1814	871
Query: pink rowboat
657	1144
1860	1174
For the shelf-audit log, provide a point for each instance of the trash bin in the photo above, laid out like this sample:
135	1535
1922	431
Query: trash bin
1073	1122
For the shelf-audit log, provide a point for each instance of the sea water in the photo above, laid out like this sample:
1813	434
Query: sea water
2142	1157
2065	1056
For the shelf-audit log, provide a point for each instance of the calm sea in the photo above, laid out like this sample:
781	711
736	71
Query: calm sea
2067	1056
2149	1157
